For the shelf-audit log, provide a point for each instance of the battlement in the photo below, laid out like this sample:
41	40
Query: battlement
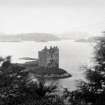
49	57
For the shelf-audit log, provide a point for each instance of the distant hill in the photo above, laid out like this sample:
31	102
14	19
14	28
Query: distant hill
39	37
97	38
74	35
91	39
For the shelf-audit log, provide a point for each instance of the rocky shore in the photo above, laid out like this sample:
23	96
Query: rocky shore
47	73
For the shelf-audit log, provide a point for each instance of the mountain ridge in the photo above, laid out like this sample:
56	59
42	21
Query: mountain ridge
38	37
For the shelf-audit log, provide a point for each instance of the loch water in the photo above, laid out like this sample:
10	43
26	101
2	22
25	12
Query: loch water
73	55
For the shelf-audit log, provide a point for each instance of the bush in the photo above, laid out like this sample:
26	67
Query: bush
14	89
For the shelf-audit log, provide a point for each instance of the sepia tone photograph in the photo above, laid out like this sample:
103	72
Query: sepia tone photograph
52	52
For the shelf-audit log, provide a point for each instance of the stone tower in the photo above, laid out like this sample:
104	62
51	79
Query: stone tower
49	57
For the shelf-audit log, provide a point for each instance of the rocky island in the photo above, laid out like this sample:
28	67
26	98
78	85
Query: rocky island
47	65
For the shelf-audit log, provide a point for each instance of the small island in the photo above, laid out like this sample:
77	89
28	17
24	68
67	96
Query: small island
47	65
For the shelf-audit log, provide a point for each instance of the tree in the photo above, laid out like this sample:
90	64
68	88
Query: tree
94	90
12	78
40	94
16	90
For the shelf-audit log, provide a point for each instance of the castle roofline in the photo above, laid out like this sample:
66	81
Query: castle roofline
49	49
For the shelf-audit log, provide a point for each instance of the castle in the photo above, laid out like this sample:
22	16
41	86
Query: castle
49	57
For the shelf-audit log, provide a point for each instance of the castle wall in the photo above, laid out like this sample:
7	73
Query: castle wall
49	57
42	59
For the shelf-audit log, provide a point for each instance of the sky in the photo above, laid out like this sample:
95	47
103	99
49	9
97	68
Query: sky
52	16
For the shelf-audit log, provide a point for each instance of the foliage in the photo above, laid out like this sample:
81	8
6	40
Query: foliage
93	91
16	90
12	78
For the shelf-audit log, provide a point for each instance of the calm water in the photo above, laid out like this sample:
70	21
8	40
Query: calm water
72	55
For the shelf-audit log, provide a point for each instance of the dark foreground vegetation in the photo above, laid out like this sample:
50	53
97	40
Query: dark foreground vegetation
16	88
91	92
